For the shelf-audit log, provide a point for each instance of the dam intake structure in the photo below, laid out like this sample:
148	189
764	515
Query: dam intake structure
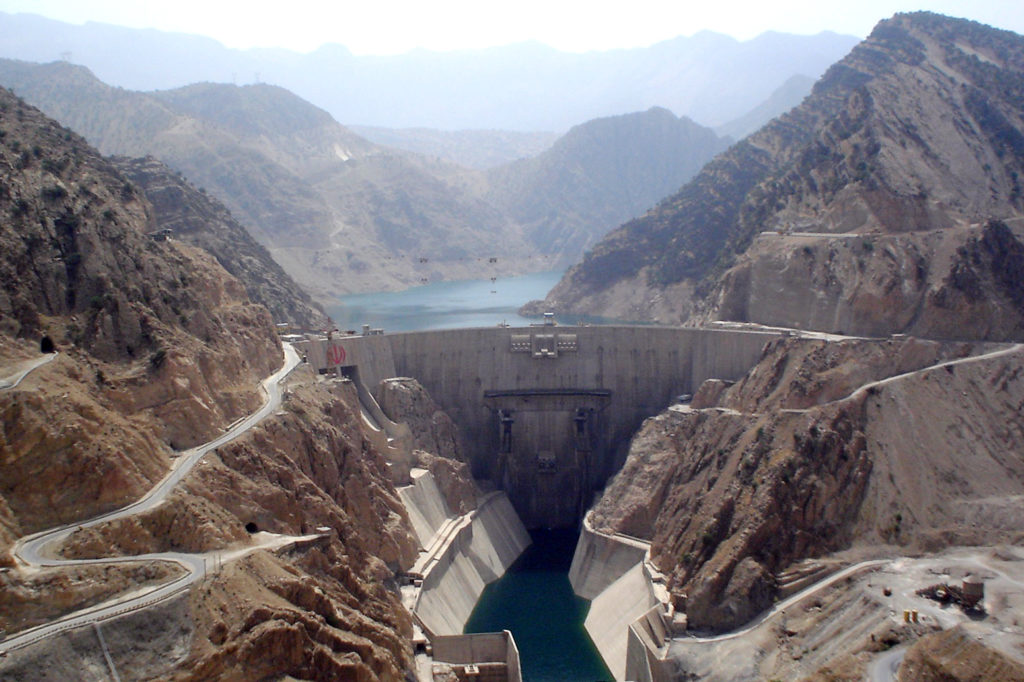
547	411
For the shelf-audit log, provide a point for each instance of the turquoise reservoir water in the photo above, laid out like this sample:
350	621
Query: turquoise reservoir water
536	603
448	305
445	305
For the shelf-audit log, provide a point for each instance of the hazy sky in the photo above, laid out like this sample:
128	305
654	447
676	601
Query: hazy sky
395	26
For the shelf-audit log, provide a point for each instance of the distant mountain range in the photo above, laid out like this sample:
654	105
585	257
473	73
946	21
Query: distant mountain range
710	78
342	214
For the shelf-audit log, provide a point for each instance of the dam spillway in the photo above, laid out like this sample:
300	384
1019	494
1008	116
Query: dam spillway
547	411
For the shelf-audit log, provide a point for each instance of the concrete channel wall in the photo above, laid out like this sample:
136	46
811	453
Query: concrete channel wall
645	659
463	555
613	611
496	649
609	570
425	505
600	560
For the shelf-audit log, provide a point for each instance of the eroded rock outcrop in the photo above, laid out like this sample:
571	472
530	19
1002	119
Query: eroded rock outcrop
436	438
405	400
815	451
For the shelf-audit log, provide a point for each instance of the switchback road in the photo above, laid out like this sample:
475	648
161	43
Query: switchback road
37	550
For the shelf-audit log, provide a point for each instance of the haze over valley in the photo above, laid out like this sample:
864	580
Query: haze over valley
792	449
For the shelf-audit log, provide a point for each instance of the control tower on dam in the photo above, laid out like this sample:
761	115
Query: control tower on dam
547	411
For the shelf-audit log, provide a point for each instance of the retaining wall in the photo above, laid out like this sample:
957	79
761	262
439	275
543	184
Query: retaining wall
613	611
600	560
479	551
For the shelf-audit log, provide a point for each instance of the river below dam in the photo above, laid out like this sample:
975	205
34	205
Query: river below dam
535	601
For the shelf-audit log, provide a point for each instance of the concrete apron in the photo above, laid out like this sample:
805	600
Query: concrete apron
612	571
460	555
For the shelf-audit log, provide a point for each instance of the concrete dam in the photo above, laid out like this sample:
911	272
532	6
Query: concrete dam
547	411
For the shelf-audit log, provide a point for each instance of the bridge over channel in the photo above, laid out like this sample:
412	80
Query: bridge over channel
547	411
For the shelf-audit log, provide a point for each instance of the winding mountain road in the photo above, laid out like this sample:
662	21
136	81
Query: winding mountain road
885	667
36	550
23	370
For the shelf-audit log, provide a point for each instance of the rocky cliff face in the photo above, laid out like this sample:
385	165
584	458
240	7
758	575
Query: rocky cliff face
437	440
160	346
901	148
321	609
813	452
327	610
953	283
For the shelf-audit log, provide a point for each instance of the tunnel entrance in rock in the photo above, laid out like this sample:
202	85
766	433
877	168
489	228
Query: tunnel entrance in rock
251	528
549	451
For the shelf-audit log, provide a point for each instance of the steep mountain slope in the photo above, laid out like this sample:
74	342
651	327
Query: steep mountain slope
198	219
160	349
902	150
821	447
339	213
598	175
708	77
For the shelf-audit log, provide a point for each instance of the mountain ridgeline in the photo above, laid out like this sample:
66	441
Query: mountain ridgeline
342	214
889	201
708	77
600	173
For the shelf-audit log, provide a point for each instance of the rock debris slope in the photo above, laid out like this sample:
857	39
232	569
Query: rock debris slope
866	209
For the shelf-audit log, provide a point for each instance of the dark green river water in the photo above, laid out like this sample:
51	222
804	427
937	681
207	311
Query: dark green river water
535	602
